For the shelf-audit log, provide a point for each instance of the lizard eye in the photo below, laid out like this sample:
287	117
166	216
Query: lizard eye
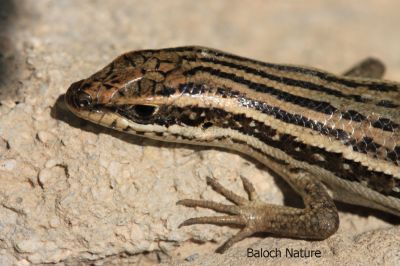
84	99
144	111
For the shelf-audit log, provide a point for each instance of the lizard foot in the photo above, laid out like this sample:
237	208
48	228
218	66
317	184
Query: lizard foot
254	215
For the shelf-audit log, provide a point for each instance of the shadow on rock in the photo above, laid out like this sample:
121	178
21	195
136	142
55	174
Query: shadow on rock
8	52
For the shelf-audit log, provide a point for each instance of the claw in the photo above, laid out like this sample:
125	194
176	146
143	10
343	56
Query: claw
251	191
229	195
217	220
237	218
219	207
254	215
245	232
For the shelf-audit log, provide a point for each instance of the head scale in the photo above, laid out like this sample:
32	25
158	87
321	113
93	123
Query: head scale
132	92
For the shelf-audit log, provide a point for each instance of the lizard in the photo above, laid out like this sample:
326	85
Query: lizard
330	137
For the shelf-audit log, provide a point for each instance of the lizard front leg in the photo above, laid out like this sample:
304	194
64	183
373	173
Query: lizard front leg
318	220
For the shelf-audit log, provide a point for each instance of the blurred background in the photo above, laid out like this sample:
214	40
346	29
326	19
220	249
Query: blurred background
81	36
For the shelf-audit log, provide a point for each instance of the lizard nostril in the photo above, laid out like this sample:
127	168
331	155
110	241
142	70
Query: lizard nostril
83	99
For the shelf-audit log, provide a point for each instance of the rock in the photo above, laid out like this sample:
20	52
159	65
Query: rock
73	193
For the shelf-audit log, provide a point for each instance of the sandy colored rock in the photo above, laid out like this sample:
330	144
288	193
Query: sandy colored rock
72	192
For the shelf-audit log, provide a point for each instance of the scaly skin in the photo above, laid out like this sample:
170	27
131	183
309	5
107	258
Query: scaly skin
310	127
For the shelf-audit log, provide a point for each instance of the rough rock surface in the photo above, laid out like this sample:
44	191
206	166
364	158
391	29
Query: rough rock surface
73	192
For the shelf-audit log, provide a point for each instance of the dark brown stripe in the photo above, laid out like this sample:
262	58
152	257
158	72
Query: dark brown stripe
353	116
377	86
394	155
387	104
279	79
318	106
165	91
192	116
366	145
385	124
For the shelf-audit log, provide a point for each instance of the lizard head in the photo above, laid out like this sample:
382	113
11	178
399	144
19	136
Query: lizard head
134	93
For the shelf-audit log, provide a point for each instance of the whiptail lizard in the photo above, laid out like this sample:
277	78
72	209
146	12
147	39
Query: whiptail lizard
320	132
